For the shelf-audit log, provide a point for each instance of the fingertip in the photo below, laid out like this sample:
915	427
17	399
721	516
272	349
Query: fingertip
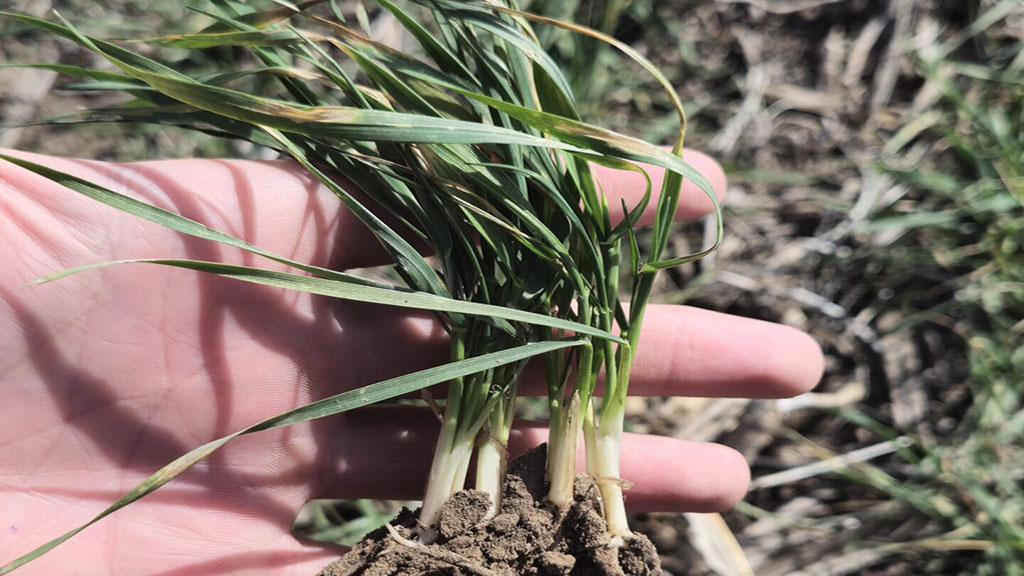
735	484
683	476
629	186
319	548
711	170
719	478
806	366
784	361
687	351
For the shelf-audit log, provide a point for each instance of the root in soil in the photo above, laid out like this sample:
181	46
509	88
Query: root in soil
527	537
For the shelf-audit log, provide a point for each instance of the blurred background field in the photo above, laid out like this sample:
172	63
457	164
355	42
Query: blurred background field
876	158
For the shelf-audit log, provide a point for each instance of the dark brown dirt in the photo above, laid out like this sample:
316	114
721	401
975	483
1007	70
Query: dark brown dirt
527	537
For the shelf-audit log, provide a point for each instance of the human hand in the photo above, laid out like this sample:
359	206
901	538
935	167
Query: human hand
107	376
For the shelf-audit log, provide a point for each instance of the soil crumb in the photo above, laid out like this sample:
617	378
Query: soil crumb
527	537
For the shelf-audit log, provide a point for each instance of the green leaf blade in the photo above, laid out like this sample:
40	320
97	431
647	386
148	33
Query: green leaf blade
337	404
370	294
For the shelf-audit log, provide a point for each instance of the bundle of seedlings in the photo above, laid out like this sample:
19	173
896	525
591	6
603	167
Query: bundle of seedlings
472	149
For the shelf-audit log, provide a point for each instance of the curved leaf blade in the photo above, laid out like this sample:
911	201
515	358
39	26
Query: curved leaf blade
173	221
330	406
351	291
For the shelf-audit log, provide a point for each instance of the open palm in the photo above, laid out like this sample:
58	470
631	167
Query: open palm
109	375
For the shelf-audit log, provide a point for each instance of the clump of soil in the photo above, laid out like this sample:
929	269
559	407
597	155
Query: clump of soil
527	537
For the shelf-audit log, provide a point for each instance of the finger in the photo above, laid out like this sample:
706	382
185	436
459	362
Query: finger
693	202
683	351
287	557
278	206
271	204
667	474
686	351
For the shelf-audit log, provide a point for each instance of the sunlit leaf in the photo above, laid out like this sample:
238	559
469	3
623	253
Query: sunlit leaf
337	404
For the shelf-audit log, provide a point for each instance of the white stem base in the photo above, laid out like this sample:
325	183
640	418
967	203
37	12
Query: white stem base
562	443
447	476
606	473
562	471
491	459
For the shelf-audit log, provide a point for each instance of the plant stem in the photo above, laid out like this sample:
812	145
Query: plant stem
607	446
449	452
563	438
491	461
492	449
604	440
447	476
566	421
